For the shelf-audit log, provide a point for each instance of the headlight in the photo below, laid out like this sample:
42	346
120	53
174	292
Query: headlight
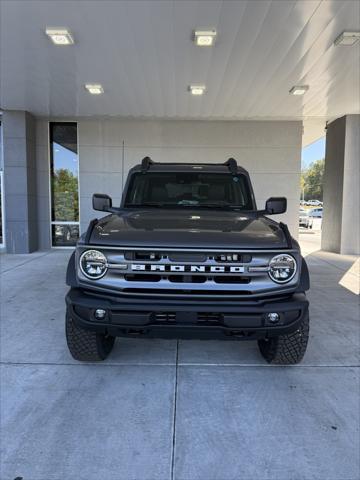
93	264
282	268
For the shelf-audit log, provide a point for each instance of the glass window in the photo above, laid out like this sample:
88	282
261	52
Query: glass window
64	234
184	189
1	210
2	234
64	171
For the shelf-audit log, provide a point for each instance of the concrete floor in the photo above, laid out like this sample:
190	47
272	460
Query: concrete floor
183	410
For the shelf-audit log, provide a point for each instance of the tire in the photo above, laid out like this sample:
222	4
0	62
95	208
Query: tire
286	349
85	345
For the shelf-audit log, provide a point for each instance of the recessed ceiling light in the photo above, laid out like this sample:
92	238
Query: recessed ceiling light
197	89
299	89
347	38
94	88
60	36
204	38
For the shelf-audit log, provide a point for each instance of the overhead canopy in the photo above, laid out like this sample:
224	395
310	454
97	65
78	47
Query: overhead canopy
143	55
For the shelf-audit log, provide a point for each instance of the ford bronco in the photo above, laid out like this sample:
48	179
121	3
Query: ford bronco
188	255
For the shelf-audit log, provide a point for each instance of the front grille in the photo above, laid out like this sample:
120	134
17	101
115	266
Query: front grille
188	273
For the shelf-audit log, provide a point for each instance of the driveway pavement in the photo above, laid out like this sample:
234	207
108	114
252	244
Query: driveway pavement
185	410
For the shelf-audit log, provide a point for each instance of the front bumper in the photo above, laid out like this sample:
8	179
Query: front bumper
171	319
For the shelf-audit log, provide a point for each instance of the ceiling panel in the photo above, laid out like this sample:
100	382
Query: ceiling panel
142	53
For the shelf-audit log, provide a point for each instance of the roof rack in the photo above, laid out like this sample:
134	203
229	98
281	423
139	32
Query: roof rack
230	163
145	164
232	166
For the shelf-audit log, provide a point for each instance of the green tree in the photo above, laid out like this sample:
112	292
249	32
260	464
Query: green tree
302	185
65	195
312	180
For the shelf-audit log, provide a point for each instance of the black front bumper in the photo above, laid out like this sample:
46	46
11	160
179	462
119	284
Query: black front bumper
186	319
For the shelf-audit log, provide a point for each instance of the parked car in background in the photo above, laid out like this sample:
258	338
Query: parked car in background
65	234
314	203
304	219
316	212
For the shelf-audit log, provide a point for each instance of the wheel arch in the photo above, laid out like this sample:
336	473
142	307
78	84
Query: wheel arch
304	284
71	279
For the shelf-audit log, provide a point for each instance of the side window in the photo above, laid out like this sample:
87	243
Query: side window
64	181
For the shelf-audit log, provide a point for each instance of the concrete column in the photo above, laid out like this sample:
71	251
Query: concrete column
340	232
19	182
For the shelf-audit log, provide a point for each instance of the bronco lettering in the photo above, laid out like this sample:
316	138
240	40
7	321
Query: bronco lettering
188	268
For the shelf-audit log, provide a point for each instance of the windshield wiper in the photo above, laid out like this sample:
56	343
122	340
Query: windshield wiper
218	205
144	204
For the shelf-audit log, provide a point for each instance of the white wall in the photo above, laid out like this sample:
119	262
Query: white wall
341	220
350	228
108	148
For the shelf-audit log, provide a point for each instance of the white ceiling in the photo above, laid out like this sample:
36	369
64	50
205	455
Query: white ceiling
142	54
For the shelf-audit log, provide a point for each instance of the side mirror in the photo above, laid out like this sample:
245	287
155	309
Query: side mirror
275	205
101	202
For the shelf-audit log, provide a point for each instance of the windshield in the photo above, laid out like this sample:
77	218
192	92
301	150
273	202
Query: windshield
189	189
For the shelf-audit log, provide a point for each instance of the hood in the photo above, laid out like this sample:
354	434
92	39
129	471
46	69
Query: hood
187	228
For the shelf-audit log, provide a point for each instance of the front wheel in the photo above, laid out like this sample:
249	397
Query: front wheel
85	345
286	349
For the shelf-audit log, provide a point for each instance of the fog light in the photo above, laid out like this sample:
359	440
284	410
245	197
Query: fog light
100	314
273	317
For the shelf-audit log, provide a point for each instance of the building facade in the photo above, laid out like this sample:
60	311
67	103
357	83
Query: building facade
53	166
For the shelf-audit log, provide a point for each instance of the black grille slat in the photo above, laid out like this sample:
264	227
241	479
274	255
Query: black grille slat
231	258
187	257
186	292
165	317
209	317
147	256
142	277
187	278
231	279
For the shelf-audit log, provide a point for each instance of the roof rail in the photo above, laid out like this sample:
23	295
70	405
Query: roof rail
232	166
145	164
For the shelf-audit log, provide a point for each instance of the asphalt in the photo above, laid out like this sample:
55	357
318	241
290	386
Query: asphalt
184	410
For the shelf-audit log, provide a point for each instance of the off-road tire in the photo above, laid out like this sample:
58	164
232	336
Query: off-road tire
85	345
286	349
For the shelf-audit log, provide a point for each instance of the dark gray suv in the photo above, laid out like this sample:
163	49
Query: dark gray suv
188	255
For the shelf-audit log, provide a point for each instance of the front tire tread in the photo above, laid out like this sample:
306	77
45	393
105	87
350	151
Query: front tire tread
286	349
85	345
